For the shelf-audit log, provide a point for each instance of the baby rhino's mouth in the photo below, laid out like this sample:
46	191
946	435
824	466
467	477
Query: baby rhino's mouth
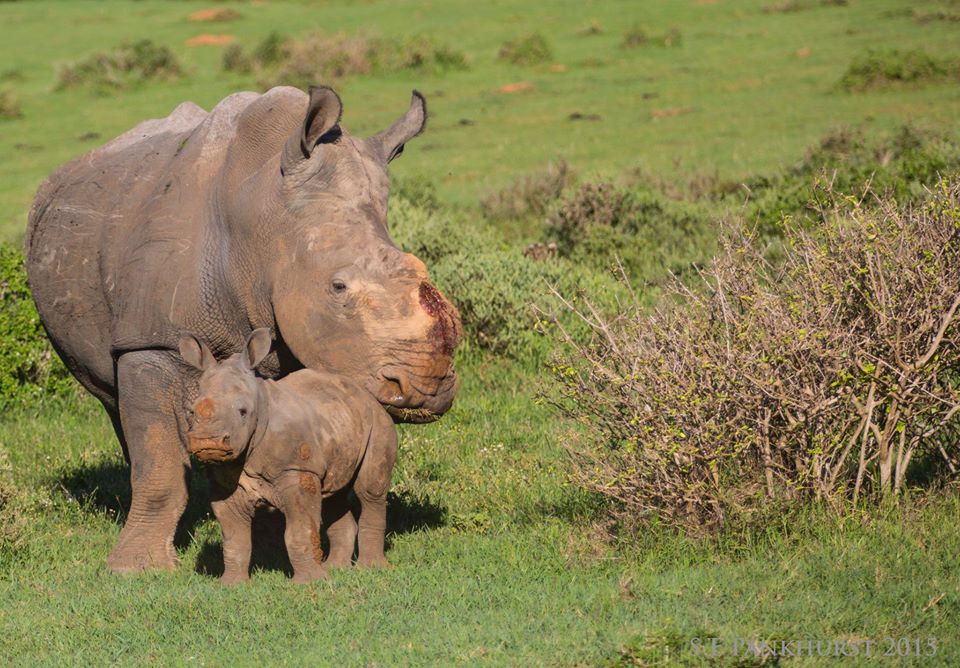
210	449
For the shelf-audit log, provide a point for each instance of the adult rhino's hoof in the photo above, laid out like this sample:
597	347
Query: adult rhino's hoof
233	580
373	562
137	559
312	575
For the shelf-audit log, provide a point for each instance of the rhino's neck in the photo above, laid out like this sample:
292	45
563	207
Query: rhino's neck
264	411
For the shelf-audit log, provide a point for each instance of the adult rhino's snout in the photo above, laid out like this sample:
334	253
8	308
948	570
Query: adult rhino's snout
446	330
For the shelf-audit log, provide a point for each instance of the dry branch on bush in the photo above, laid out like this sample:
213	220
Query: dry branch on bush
823	377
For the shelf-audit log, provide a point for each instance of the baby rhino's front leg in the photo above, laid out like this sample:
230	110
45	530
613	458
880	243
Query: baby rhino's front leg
300	498
235	515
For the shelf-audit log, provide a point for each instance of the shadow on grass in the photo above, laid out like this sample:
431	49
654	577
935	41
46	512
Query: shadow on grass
104	488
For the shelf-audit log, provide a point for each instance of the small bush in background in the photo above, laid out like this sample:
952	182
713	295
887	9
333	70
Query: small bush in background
126	65
29	368
636	37
883	68
896	165
650	234
320	57
527	50
235	59
9	105
530	194
788	6
825	378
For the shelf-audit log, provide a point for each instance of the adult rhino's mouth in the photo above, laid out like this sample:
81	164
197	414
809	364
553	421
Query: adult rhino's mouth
408	398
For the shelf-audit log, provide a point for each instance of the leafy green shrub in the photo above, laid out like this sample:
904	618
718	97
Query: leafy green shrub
530	194
9	105
825	377
651	234
320	57
126	65
502	297
896	165
527	50
29	369
497	290
431	235
882	68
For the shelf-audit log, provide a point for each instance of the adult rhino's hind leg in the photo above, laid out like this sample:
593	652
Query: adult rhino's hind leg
149	390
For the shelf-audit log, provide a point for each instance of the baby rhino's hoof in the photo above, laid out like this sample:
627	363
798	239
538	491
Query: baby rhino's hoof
312	575
231	580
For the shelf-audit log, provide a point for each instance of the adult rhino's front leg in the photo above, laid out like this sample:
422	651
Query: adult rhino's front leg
150	387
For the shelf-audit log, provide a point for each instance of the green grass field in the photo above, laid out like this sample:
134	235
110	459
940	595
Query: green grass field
498	558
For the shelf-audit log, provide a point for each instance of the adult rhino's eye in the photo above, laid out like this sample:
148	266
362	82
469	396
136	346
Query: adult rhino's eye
339	286
243	412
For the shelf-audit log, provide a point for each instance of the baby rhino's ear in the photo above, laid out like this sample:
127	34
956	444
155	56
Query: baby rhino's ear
195	352
258	346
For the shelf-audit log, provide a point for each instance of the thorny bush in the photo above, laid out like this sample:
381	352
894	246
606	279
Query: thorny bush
824	377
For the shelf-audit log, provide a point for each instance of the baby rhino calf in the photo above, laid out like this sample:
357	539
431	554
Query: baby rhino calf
288	444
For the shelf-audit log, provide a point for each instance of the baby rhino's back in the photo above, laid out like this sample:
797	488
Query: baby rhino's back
323	422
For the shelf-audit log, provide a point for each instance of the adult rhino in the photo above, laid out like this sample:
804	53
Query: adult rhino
261	213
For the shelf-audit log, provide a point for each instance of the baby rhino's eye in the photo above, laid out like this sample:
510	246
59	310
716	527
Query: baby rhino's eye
243	412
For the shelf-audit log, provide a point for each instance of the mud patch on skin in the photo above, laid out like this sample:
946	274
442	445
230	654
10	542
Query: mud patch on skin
304	451
208	449
308	483
315	547
205	408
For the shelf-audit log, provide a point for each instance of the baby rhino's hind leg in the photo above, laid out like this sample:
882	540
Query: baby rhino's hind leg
300	500
341	529
371	487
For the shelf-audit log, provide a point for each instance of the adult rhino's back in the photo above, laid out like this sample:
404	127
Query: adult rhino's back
100	220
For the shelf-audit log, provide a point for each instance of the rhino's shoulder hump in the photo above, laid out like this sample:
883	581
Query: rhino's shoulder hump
186	117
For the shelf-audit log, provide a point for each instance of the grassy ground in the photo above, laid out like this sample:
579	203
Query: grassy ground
750	88
498	559
495	562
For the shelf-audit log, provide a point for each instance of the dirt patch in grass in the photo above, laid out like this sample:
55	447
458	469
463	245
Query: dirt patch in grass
516	87
215	15
669	112
126	65
210	40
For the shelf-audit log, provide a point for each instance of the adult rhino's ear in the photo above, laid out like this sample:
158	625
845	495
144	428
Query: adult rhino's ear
258	347
389	143
195	352
322	118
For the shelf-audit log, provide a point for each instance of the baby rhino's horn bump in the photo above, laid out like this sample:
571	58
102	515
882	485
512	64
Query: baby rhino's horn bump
205	408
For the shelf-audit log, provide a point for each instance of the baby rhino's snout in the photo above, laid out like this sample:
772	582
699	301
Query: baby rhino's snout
207	440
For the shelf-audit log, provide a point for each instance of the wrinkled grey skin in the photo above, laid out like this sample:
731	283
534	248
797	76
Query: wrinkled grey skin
263	212
300	445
